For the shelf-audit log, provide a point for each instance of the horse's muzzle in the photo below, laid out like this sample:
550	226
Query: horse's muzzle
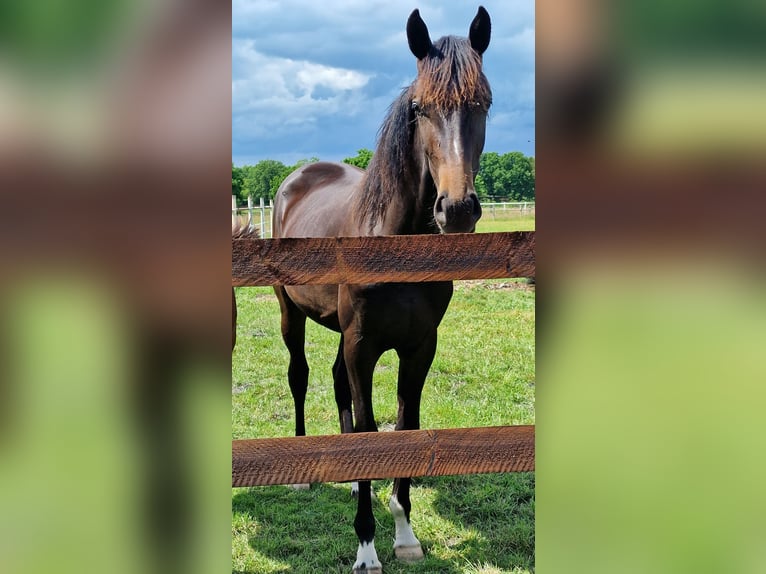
457	216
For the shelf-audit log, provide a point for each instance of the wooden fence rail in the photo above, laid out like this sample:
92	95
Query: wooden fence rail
366	456
396	258
369	456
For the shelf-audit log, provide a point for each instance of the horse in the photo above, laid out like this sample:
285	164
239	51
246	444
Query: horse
241	228
420	180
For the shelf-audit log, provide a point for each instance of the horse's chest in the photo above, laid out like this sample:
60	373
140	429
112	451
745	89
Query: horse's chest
393	312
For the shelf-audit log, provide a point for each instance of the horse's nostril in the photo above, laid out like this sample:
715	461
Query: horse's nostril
476	211
439	207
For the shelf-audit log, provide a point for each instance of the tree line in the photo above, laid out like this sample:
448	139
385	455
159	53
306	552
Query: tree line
501	177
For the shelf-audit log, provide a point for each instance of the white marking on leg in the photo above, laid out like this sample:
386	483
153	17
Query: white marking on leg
367	559
355	491
406	545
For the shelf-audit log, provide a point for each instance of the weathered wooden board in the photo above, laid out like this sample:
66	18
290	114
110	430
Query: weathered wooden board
367	456
397	258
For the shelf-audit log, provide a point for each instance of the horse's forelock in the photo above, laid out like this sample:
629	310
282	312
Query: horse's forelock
451	75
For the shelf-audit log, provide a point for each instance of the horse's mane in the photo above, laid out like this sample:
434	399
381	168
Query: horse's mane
450	76
384	173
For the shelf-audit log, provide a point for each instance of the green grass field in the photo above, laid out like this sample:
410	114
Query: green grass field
483	374
495	220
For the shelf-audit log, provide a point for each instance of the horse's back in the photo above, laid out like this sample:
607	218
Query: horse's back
315	200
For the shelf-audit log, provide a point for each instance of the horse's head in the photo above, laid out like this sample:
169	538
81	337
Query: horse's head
450	100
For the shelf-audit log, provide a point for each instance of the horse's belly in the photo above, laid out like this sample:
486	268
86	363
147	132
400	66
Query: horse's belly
318	302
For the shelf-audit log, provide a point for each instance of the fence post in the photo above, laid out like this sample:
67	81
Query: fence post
249	213
263	218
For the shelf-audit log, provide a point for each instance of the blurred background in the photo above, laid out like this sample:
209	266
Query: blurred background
115	147
650	201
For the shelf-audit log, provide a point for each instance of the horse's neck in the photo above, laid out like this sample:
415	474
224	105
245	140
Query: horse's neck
409	210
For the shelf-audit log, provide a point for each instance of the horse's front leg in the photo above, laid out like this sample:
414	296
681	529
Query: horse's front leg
413	368
366	556
360	358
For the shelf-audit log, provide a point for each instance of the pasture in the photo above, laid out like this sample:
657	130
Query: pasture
496	220
483	374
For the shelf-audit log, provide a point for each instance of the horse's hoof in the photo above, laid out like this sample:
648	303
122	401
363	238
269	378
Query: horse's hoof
300	486
367	559
409	553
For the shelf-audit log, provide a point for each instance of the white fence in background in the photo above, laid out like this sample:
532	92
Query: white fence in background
520	207
256	218
251	219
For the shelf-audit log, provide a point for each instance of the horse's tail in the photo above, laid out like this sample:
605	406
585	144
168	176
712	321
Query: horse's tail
242	226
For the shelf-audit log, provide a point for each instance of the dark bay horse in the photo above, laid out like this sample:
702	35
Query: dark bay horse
420	180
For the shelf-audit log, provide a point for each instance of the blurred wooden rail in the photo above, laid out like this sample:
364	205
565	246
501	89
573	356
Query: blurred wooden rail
363	456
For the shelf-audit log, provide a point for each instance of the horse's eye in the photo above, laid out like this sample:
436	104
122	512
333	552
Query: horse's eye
416	109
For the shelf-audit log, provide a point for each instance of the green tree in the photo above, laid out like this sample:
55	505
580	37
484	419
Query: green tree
507	177
520	180
489	170
510	176
361	160
257	179
236	181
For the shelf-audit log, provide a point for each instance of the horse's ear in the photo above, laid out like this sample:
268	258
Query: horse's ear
417	35
480	30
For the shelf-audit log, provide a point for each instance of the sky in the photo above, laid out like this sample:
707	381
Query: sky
315	78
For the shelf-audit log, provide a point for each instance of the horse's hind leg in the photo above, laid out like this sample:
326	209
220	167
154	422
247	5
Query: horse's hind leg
233	320
342	391
413	368
294	336
343	400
